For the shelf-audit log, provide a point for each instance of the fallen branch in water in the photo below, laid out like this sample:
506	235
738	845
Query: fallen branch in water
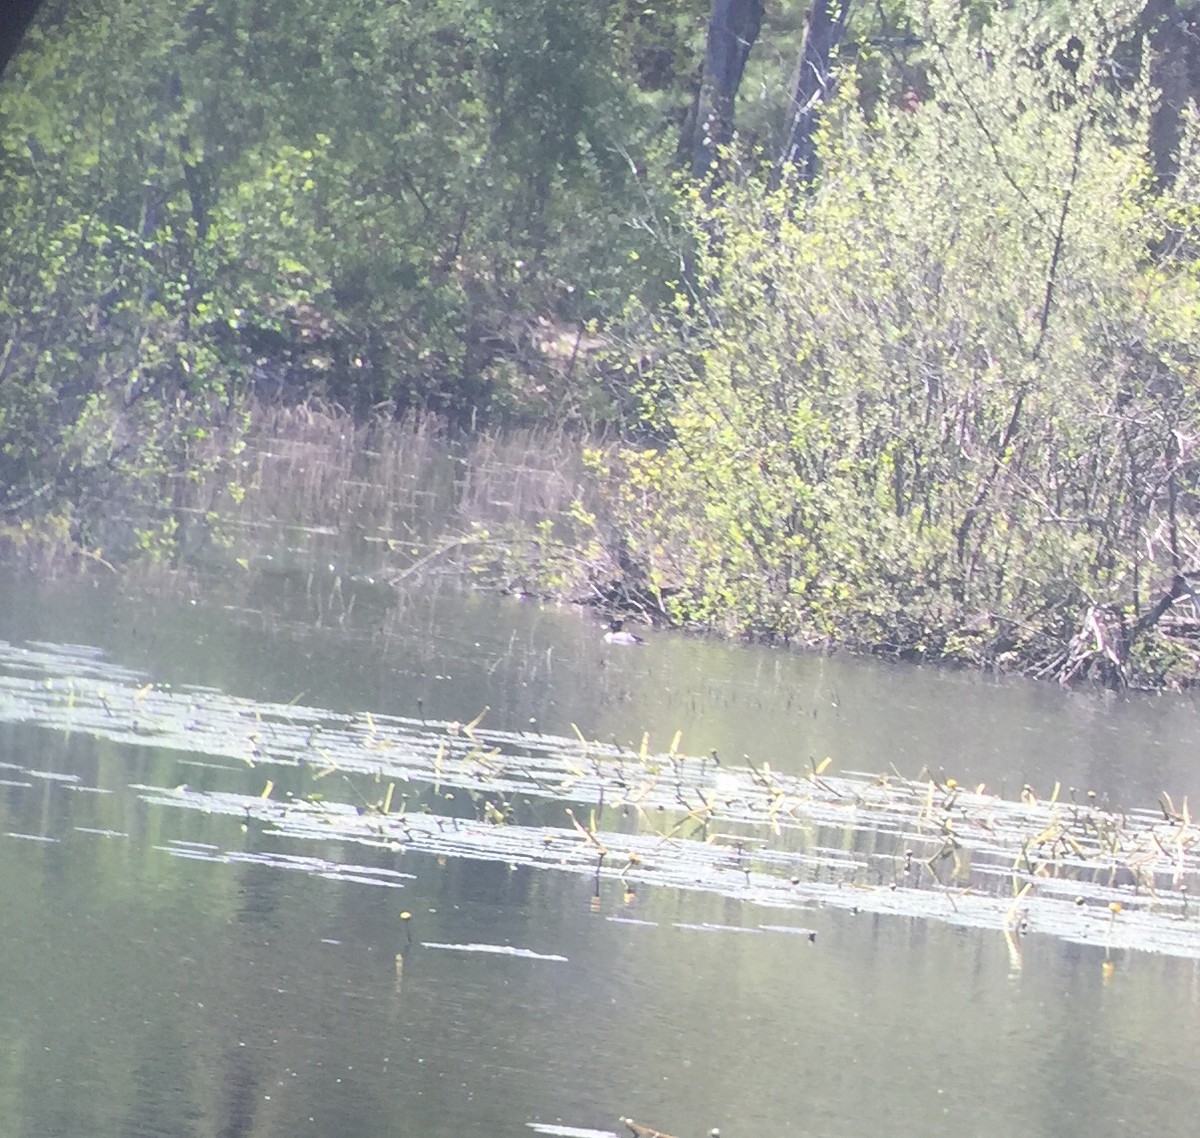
640	1131
457	544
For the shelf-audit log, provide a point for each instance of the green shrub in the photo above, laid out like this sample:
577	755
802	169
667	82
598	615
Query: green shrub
943	396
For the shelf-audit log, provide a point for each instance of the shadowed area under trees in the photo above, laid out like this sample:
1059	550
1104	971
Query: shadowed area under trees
15	17
895	305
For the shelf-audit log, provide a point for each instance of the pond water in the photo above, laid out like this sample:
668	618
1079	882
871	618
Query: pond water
240	897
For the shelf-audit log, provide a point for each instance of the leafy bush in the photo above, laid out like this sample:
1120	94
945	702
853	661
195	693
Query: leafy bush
380	205
943	399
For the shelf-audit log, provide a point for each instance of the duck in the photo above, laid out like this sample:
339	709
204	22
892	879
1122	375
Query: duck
618	634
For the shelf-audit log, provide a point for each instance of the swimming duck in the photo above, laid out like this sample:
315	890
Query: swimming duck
617	634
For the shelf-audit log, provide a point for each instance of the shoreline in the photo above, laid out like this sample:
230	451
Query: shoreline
532	511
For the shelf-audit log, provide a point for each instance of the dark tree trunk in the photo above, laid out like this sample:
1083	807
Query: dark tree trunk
15	17
826	22
733	27
1173	39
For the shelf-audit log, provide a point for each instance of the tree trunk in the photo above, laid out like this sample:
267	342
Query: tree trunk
733	27
826	22
15	17
1174	49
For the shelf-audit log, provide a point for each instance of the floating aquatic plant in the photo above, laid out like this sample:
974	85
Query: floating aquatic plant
1064	863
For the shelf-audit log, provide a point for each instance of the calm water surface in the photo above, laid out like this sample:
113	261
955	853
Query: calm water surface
150	992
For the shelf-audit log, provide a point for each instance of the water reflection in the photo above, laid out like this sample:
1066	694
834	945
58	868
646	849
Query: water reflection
160	994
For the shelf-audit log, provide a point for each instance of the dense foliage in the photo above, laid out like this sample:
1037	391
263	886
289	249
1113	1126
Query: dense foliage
384	205
937	398
945	402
